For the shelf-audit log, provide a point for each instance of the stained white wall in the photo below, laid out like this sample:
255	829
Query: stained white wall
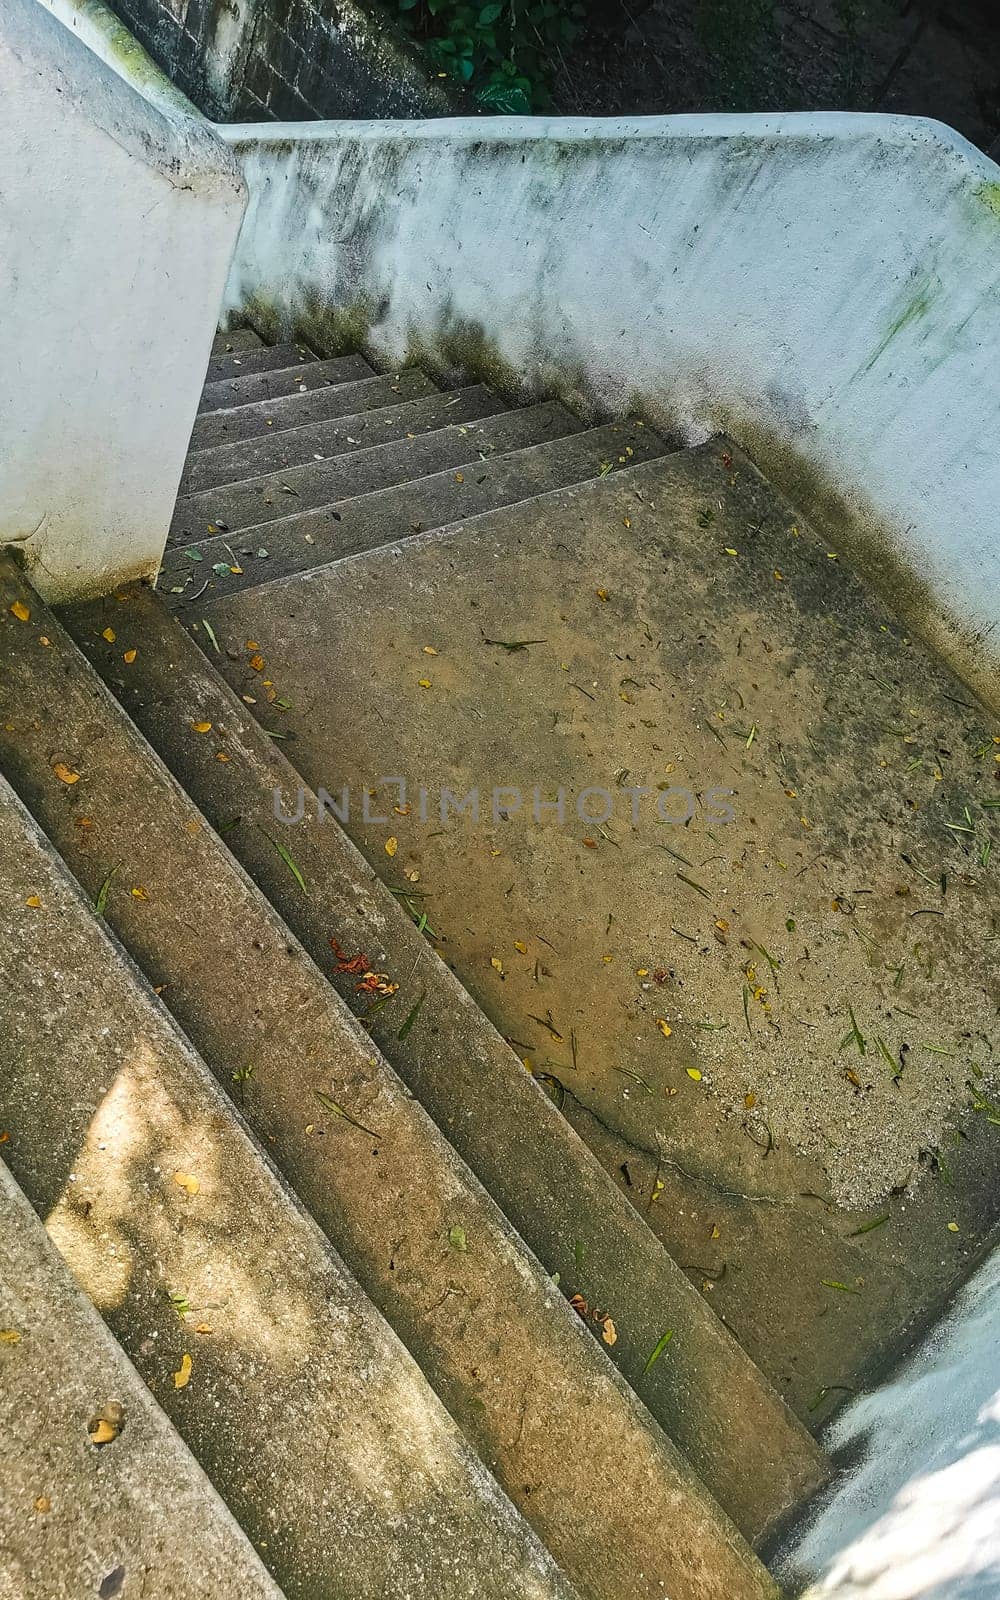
826	288
117	221
916	1515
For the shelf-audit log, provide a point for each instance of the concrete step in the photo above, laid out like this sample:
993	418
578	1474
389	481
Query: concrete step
384	516
295	490
86	1518
268	358
294	447
709	1397
317	1429
529	1385
236	339
317	405
294	379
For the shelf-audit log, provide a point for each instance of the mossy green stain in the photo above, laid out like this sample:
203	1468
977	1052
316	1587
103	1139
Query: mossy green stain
989	194
915	308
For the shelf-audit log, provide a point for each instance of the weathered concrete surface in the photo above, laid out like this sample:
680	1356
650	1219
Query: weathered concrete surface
822	287
331	532
292	447
301	376
315	1426
134	209
527	1383
706	1394
294	411
319	484
81	1518
265	358
689	634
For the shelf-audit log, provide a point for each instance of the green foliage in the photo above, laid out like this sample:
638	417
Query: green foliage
506	51
739	38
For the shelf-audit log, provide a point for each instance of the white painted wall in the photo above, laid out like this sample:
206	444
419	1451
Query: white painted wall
918	1518
117	222
826	288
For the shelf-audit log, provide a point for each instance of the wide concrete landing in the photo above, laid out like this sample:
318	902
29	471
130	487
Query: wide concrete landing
772	1011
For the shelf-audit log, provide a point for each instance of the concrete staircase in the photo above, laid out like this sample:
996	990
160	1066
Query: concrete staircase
340	1250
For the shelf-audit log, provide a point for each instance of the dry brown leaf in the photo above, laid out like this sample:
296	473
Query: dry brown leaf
20	611
257	662
43	1505
182	1377
64	773
609	1333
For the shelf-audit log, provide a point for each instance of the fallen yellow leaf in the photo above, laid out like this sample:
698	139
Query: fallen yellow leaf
187	1182
139	893
64	773
20	611
425	683
33	901
182	1377
43	1505
520	947
9	1336
496	964
109	634
202	727
693	1072
953	1227
204	1327
102	1431
429	650
257	662
602	594
664	1027
391	846
609	1333
129	657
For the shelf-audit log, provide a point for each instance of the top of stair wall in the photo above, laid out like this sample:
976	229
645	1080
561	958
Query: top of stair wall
822	287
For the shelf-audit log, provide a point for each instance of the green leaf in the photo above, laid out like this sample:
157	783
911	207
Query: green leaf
490	13
338	1111
411	1019
287	859
657	1351
102	893
456	1238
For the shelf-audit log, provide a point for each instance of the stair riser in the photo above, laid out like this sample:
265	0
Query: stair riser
226	464
384	1185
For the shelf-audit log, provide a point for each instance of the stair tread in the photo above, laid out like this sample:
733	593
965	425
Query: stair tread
230	393
293	447
75	1514
236	339
392	1198
314	484
262	417
110	1113
311	538
244	363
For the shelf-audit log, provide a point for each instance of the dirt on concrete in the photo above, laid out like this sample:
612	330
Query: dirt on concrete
756	964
